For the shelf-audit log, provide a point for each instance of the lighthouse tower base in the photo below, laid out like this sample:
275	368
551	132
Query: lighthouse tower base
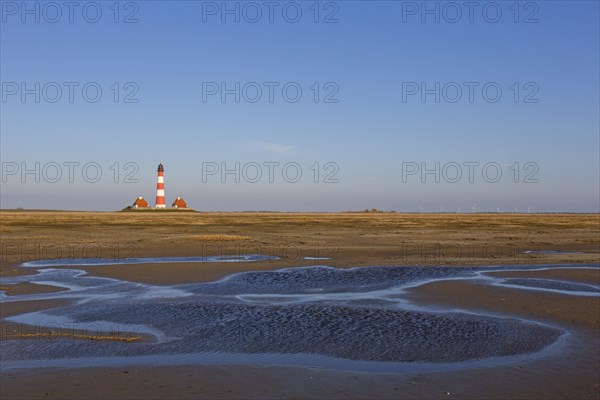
160	206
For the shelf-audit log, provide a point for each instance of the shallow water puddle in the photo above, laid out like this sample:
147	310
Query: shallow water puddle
357	319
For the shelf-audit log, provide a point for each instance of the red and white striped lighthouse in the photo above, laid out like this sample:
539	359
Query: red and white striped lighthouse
160	188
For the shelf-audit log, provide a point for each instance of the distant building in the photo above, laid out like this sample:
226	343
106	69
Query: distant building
140	203
179	203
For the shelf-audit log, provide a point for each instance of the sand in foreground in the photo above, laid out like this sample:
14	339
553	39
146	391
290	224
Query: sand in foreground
356	239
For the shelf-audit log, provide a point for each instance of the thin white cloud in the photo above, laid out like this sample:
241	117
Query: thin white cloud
272	147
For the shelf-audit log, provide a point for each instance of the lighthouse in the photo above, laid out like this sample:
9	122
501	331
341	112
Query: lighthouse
160	188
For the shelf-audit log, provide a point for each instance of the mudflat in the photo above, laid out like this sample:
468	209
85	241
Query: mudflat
341	240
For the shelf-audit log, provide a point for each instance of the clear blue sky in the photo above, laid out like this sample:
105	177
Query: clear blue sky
369	55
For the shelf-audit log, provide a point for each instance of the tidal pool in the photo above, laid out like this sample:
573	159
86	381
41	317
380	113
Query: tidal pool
356	318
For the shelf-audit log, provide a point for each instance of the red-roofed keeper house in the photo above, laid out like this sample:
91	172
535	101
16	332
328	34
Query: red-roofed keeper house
179	203
140	203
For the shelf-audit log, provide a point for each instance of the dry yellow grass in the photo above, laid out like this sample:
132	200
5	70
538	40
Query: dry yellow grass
349	239
59	335
218	238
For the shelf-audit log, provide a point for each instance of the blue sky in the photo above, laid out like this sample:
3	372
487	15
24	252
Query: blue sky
376	130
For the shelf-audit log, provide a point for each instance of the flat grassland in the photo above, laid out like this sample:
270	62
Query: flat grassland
347	239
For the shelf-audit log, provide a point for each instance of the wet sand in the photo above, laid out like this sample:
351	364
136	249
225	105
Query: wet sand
21	307
549	307
232	382
8	309
591	276
181	273
573	376
29	288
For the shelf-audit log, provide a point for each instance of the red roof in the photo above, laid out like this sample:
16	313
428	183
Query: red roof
179	203
140	203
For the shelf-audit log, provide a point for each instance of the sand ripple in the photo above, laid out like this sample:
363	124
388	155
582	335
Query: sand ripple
352	314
